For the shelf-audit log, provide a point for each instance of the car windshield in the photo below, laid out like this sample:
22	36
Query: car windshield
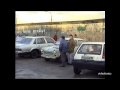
26	40
19	39
58	42
90	49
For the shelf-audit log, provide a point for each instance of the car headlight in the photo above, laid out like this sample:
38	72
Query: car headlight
54	52
42	51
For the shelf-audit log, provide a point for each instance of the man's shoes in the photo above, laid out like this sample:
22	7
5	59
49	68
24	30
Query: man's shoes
62	65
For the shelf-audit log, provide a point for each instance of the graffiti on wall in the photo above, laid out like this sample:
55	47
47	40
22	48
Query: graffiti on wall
90	31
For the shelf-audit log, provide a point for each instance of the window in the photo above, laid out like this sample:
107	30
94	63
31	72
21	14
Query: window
49	40
90	49
40	40
34	42
26	40
80	42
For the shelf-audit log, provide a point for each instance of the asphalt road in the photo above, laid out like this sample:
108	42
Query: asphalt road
27	68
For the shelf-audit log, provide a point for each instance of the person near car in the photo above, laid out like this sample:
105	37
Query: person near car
70	51
55	37
63	49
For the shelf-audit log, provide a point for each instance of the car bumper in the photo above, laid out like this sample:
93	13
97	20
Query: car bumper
90	65
49	56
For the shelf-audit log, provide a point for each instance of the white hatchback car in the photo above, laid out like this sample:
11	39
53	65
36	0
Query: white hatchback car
52	52
91	56
31	45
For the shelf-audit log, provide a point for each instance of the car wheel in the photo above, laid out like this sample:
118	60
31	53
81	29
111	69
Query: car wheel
47	59
34	54
76	70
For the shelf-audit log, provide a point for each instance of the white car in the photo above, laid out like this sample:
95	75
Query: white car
89	55
52	52
32	45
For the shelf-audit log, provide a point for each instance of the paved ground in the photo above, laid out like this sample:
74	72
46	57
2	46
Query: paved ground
27	68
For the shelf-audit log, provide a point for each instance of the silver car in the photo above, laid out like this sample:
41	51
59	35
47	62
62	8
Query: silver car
32	45
52	52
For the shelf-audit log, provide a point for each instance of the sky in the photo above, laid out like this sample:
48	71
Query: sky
45	16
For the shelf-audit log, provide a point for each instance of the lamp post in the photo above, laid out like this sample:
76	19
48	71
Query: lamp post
50	19
50	15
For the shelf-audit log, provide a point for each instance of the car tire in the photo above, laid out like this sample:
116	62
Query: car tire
34	54
47	59
76	70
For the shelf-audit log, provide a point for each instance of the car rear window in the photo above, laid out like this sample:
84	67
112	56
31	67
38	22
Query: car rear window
90	49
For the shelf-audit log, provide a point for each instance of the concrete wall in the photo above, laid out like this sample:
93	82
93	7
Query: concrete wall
93	32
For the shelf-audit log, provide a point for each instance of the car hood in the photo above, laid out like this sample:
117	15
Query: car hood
51	48
18	45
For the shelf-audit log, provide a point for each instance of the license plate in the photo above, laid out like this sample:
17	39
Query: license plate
87	58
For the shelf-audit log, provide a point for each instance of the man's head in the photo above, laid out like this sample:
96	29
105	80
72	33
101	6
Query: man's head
71	36
63	37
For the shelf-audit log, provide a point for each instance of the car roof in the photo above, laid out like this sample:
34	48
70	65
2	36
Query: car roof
93	43
73	38
37	36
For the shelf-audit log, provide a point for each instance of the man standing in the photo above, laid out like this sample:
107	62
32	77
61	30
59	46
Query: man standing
71	46
63	50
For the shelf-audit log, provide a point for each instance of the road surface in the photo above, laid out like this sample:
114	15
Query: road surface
27	68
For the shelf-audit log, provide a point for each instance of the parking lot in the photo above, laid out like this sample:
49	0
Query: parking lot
27	68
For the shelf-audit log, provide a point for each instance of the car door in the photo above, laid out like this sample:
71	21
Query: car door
50	41
41	43
79	42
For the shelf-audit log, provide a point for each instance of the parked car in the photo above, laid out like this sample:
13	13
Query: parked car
52	52
91	56
32	45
